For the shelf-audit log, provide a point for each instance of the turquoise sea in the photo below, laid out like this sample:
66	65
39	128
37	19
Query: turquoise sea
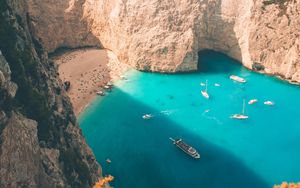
259	152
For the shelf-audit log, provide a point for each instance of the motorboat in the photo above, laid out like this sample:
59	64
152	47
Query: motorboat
186	148
237	78
252	101
269	103
101	93
147	116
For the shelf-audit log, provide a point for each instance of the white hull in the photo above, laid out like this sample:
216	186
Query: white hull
237	78
252	101
239	116
269	103
205	94
147	116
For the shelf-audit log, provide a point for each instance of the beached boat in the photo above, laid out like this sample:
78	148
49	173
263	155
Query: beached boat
237	78
107	87
186	148
101	93
148	116
241	116
204	92
109	84
269	103
252	101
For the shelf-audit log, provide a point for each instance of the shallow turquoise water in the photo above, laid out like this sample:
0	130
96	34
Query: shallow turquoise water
258	152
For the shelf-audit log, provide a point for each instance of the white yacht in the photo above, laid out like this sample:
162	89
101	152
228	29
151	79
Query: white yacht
269	103
237	78
252	101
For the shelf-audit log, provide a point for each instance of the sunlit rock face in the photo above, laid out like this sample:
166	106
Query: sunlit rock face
166	36
59	23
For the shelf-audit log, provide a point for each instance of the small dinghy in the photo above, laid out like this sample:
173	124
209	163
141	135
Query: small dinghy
204	92
217	85
241	116
107	87
109	84
252	101
108	160
269	103
101	93
202	84
237	78
186	148
147	116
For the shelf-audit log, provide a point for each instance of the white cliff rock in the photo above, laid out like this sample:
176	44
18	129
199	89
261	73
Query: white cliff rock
166	36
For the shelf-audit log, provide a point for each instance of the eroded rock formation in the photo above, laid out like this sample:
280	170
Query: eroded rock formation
41	144
166	36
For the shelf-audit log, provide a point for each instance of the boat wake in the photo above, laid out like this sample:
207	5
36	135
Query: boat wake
168	112
204	114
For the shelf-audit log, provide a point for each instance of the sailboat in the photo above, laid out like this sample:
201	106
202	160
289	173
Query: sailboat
204	92
241	116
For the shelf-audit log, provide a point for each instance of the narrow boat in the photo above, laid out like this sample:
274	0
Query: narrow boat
204	92
237	78
252	101
241	116
109	84
100	93
147	116
269	103
186	148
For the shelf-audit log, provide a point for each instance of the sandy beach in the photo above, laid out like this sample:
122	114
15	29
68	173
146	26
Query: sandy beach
88	71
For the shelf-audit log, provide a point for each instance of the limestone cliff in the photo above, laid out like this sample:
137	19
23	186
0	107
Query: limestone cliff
41	144
166	36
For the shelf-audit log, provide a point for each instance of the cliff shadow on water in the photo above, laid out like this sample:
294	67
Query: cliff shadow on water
216	33
143	156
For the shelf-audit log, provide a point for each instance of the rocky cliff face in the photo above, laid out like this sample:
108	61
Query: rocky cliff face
41	144
60	24
166	36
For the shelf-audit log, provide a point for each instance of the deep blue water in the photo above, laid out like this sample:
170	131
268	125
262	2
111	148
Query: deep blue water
259	152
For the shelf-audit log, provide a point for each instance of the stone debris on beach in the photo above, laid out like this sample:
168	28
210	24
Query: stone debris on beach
88	71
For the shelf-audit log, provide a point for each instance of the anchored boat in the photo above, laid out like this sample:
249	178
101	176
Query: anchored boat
241	116
147	116
186	148
237	78
204	92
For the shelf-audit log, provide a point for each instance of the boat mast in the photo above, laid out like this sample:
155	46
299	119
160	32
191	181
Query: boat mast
243	107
